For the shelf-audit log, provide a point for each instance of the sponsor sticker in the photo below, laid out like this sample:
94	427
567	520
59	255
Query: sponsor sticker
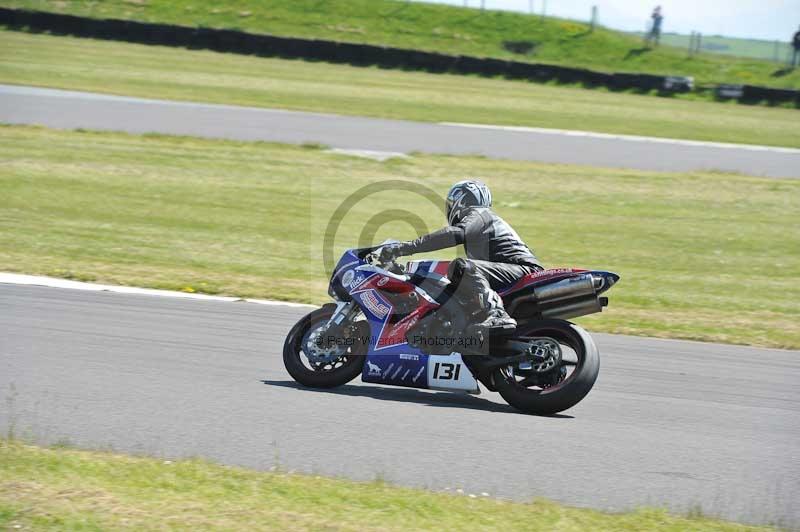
402	369
371	301
373	369
554	271
348	277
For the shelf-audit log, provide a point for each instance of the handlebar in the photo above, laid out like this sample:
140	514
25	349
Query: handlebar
374	258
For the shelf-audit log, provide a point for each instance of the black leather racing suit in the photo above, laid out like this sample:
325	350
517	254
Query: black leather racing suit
497	257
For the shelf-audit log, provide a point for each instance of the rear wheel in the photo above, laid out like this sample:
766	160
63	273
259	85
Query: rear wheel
568	373
313	362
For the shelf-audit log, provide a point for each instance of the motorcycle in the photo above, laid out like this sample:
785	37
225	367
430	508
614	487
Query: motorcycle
399	326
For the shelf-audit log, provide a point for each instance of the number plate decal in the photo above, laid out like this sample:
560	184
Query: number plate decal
448	372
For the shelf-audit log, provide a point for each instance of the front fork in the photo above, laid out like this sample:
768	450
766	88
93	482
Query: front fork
339	320
340	315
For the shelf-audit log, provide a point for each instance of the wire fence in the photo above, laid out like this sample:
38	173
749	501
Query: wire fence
695	43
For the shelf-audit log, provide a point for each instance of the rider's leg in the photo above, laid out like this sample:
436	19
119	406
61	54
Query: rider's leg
473	282
502	275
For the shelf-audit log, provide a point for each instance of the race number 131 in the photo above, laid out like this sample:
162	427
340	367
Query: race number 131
446	371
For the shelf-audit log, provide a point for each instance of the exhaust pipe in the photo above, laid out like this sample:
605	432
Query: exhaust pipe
570	288
573	309
579	287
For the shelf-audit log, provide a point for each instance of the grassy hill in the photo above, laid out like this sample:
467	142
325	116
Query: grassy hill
434	27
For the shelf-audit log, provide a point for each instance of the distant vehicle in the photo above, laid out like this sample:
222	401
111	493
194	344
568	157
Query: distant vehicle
397	326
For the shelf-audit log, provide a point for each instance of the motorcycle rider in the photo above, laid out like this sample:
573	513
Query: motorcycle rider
497	257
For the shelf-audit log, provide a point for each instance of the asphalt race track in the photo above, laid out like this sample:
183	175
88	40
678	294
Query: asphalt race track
68	109
676	424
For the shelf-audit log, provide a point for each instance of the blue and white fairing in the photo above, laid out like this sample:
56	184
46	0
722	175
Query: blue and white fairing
390	360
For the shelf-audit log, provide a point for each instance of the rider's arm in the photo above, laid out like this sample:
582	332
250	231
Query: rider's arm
447	237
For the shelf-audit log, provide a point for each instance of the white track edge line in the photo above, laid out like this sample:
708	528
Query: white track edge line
54	282
632	138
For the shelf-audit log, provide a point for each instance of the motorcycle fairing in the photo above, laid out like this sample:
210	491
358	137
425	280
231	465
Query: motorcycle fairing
603	280
416	370
388	329
408	369
390	360
428	268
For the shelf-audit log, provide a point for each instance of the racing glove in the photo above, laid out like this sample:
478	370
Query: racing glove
390	252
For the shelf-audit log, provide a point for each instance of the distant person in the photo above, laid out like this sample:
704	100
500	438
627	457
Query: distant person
655	27
796	46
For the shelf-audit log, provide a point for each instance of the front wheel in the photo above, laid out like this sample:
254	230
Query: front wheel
312	362
564	382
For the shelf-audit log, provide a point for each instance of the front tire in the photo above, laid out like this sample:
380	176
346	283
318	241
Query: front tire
562	395
317	375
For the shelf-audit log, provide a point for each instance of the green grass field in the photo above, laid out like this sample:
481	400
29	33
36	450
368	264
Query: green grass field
433	27
719	44
170	73
66	489
702	256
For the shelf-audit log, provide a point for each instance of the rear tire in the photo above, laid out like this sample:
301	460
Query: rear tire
292	353
565	394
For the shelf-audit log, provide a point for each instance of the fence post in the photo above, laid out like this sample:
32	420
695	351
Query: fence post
594	18
530	6
483	5
699	41
544	8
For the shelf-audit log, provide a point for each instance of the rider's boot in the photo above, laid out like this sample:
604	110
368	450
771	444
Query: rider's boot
493	316
497	320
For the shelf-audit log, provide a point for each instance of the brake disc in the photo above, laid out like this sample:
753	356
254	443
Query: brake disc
319	353
547	353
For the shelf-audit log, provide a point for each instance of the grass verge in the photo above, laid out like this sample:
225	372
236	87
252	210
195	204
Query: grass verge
448	29
66	489
172	73
702	256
